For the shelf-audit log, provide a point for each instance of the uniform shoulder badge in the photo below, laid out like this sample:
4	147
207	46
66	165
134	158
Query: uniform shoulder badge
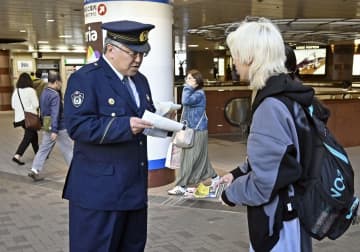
77	98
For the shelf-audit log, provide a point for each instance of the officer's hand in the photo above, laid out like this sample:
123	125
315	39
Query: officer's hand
137	125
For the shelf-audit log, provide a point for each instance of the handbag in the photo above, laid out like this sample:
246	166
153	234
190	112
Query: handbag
185	138
173	157
32	121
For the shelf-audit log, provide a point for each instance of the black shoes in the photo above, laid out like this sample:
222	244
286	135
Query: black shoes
35	177
17	161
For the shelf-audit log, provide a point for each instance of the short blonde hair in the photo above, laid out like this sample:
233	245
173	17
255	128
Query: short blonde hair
260	45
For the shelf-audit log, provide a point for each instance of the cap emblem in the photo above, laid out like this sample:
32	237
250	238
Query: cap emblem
143	36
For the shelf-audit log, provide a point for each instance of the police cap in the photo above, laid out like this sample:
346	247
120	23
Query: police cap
132	34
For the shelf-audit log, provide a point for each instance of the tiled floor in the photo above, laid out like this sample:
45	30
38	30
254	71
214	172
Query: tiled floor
33	217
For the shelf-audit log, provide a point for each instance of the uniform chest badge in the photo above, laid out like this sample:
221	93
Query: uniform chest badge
147	97
77	98
111	101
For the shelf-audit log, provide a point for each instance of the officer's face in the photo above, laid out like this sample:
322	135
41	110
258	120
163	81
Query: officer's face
124	60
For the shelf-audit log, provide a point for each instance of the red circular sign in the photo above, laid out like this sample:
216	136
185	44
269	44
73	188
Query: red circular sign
101	9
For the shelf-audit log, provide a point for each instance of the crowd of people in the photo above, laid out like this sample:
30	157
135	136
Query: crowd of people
101	135
32	94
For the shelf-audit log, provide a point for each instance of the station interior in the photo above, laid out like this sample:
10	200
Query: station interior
51	35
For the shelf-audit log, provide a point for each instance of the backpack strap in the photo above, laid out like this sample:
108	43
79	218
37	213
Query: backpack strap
288	205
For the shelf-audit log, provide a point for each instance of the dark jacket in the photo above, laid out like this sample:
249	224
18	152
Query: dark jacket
109	169
51	105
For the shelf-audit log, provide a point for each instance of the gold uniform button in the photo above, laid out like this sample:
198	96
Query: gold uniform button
142	163
141	143
111	101
113	114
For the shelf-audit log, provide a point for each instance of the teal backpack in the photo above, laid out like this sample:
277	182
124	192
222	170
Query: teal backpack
324	195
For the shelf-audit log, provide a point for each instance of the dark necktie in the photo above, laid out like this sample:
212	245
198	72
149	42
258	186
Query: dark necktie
125	80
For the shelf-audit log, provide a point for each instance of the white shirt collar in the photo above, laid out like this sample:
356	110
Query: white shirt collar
113	68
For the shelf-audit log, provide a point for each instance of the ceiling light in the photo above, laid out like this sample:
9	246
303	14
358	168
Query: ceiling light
43	42
65	36
345	23
193	45
78	48
45	48
284	20
51	20
318	20
22	31
62	48
74	61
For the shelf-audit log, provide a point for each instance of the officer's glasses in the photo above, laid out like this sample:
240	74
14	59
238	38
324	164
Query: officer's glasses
132	54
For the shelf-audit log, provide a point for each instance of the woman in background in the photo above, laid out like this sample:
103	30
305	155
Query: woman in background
195	163
24	89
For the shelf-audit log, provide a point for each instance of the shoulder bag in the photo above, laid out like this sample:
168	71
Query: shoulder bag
185	138
32	121
173	157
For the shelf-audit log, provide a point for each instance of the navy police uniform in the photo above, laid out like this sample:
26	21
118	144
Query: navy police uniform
107	181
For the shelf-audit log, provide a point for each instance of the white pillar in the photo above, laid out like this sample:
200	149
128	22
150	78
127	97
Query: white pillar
157	66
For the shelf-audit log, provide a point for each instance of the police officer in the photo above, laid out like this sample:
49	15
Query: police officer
107	181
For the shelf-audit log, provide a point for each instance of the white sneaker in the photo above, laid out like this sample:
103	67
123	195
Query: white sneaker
34	171
214	181
177	190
